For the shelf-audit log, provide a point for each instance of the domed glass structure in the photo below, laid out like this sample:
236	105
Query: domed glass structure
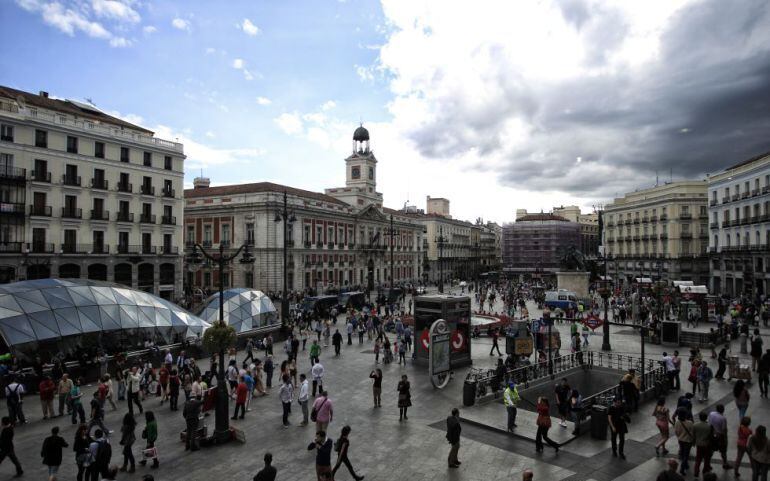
64	315
245	310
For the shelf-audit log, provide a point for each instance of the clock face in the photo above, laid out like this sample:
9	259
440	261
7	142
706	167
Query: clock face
355	172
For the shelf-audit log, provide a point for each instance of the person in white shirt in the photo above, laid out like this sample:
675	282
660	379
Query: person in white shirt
133	380
303	397
169	360
317	372
13	398
668	361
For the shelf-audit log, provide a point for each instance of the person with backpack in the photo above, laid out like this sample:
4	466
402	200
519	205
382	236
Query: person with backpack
6	444
52	452
101	454
341	447
13	399
150	433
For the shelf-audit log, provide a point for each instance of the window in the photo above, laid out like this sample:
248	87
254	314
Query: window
250	234
123	185
685	228
70	205
147	159
70	240
168	190
123	241
41	138
6	132
167	162
38	239
703	211
72	144
98	241
99	149
124	154
190	235
98	208
249	280
167	211
167	241
371	173
123	208
146	242
99	181
226	234
146	210
207	234
147	186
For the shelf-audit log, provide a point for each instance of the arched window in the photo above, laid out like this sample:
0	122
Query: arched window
69	271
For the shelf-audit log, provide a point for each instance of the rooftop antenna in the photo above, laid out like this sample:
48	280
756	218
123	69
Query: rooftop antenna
656	177
88	99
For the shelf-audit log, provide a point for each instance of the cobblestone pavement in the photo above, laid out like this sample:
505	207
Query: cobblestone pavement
382	448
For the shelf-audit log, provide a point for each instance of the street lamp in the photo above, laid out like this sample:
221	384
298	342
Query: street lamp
287	217
222	429
605	293
441	240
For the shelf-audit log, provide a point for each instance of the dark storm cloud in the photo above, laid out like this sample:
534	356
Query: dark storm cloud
701	106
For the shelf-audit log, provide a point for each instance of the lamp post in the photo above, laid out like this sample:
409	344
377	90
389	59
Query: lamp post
391	232
605	295
222	429
288	218
441	240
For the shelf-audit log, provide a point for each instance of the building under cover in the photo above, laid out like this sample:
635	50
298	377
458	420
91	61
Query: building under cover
245	310
58	317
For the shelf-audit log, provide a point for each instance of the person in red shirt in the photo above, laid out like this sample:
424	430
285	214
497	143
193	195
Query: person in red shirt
47	390
241	394
163	376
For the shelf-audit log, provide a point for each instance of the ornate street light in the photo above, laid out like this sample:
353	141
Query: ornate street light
287	217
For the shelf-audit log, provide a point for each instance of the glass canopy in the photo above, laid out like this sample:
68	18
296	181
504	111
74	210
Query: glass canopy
244	309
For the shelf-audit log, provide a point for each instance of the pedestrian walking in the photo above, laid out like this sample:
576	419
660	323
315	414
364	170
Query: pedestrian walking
759	453
97	415
349	330
376	375
704	379
703	438
453	430
377	348
511	400
110	391
678	368
269	368
742	397
756	349
14	393
618	420
562	392
744	433
337	342
47	390
249	350
81	446
76	400
718	424
127	440
51	452
763	373
150	434
174	383
323	411
100	456
286	394
315	353
303	397
495	345
323	456
721	363
342	447
543	425
242	394
268	473
404	397
685	434
133	381
63	388
317	373
662	421
191	412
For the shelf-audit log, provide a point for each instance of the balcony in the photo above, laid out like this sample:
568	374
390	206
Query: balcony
125	187
331	263
67	248
13	173
71	213
645	237
41	176
290	243
663	217
645	219
147	189
125	249
169	250
726	199
330	245
308	244
71	180
714	225
685	216
685	235
100	249
40	248
168	220
146	218
125	217
637	238
100	184
735	197
755	192
745	195
636	220
100	215
10	248
149	250
663	236
766	189
9	208
712	202
319	244
170	193
40	210
726	223
653	218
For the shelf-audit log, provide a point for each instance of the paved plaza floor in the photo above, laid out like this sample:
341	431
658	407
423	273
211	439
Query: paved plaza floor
382	447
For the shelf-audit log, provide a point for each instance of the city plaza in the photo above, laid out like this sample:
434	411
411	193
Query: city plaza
382	447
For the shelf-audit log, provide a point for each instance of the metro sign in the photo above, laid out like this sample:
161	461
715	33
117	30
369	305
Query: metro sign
593	322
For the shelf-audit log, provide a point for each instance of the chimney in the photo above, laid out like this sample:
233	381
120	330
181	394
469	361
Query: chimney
201	183
44	94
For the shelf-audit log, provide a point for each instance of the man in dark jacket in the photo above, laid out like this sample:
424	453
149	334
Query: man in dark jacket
52	452
191	413
269	472
323	456
453	430
6	445
337	342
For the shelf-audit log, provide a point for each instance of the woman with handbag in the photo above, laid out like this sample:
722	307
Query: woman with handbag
82	452
150	433
404	397
127	440
543	425
662	420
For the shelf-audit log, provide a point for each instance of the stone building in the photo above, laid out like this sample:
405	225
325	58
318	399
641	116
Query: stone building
532	245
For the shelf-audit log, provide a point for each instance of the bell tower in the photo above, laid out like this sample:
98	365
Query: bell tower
360	174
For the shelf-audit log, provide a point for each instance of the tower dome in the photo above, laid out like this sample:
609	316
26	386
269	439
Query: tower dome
361	134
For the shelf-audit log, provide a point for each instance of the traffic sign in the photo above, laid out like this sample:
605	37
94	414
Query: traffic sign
593	322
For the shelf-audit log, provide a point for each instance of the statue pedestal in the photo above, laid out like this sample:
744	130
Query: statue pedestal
576	282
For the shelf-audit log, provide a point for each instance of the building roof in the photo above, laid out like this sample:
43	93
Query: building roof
361	134
68	107
257	188
541	217
748	161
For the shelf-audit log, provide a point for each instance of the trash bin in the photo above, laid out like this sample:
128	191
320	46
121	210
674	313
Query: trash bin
469	393
599	421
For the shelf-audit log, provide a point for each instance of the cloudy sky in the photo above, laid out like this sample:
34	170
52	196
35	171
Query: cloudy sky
497	105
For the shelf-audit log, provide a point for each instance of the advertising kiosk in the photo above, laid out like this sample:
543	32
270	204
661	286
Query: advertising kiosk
456	311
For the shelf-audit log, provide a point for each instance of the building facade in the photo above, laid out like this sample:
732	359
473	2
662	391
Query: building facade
661	232
87	195
341	238
532	244
739	211
589	228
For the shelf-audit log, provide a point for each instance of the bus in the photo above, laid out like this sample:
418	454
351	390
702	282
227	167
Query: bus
318	305
561	299
353	299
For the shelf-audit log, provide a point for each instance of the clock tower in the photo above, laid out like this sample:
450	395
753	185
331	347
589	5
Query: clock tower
360	174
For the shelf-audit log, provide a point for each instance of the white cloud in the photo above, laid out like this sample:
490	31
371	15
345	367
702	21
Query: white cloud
238	63
149	29
210	134
180	24
69	21
328	105
365	73
210	50
115	10
264	101
289	123
248	27
120	42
